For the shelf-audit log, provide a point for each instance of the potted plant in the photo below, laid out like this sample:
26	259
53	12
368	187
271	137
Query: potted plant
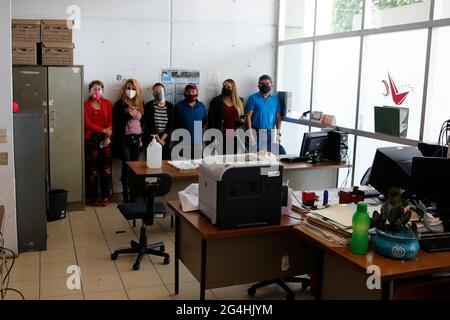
395	236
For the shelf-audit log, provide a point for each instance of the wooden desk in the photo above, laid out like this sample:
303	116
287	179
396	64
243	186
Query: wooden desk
220	258
344	274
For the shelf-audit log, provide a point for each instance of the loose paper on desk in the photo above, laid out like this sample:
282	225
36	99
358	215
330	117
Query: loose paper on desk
189	198
340	214
185	164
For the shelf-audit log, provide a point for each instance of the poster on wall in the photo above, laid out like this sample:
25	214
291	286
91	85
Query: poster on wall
175	80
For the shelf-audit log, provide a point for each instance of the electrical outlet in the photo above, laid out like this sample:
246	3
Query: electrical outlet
3	136
3	158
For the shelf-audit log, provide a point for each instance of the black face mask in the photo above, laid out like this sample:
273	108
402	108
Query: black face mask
265	88
227	92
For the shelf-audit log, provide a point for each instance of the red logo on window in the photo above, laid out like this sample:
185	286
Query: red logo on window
391	88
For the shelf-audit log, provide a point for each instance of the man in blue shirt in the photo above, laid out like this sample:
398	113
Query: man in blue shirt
187	113
263	109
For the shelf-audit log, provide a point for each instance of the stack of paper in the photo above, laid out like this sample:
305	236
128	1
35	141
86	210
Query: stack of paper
185	164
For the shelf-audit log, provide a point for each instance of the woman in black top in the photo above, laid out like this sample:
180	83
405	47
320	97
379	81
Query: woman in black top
126	141
158	120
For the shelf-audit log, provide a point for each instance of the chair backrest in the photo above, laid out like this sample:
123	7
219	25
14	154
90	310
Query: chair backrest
156	185
365	179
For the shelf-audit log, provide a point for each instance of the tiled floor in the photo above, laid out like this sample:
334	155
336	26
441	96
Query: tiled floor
86	239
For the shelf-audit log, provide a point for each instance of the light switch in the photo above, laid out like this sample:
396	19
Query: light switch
3	158
3	136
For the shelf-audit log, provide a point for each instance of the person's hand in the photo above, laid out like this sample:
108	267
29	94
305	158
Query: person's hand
161	141
278	139
132	111
108	132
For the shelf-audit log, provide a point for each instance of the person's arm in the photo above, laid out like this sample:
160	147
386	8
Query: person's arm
278	121
109	112
88	124
249	107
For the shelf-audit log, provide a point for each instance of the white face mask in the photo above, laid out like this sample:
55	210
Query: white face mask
131	94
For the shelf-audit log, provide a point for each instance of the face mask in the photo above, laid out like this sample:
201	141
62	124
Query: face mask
265	88
131	93
190	97
158	96
97	95
227	92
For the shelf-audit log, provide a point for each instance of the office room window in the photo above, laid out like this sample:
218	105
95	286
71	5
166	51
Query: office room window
335	16
393	72
383	13
336	79
296	19
294	75
441	9
438	102
365	152
292	137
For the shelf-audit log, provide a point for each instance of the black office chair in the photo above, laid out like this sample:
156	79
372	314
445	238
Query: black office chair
366	178
158	187
305	282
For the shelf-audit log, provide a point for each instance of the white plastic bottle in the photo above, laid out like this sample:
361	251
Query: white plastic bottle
154	155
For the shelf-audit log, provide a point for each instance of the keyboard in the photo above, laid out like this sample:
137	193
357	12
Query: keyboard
435	242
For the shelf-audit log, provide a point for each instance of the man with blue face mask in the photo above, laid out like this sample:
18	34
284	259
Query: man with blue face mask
263	110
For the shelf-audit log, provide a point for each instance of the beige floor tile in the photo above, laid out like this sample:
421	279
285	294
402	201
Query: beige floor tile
59	242
107	295
21	273
56	287
101	282
89	230
238	292
60	255
84	241
141	278
89	267
55	270
27	258
30	290
167	273
109	231
78	296
125	263
189	291
149	293
121	241
93	253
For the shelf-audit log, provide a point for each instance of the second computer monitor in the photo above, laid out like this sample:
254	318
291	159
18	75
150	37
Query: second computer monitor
314	143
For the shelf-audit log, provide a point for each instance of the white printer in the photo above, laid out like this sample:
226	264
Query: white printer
240	190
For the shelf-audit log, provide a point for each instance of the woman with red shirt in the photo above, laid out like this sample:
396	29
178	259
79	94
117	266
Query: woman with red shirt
97	135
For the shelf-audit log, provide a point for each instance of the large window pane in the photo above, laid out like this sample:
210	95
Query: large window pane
383	13
335	16
438	85
365	152
393	75
296	19
294	75
292	137
441	9
336	79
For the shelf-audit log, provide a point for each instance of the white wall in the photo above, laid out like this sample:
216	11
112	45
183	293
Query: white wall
233	38
7	178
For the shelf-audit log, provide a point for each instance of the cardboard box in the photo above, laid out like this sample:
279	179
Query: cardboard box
24	53
56	31
26	30
392	121
57	54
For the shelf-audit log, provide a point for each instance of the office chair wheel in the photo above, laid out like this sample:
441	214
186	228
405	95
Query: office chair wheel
162	249
251	292
114	256
290	296
136	266
166	260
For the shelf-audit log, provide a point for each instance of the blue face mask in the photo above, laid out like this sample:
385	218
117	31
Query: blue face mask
265	88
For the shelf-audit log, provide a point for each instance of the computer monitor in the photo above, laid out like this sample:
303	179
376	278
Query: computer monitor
314	144
391	168
430	182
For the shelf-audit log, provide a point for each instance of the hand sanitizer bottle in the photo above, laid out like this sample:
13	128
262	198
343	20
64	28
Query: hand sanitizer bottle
154	155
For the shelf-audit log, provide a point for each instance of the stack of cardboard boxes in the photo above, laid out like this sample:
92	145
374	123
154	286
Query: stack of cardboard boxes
45	42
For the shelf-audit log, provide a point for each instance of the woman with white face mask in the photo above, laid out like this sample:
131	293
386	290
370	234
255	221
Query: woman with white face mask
127	128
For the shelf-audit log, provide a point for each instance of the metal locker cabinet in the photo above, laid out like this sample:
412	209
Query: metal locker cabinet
29	161
66	126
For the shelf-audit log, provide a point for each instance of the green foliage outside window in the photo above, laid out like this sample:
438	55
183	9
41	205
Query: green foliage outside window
344	10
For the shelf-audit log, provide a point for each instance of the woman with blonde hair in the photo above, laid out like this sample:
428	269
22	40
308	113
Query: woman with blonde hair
127	130
226	112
